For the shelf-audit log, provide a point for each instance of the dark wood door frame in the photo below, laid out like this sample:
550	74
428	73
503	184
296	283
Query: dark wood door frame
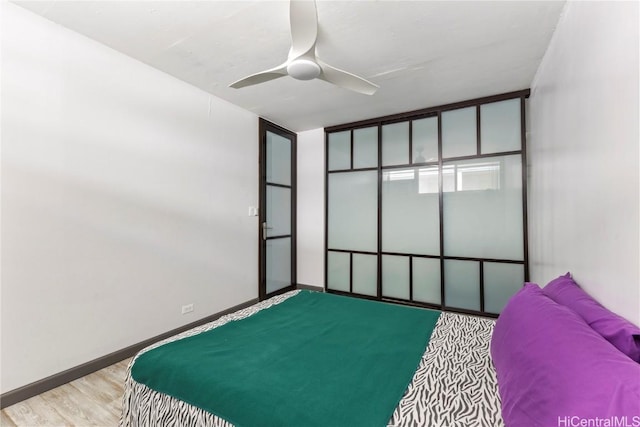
265	126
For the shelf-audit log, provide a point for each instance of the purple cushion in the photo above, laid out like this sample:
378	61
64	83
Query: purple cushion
550	364
615	329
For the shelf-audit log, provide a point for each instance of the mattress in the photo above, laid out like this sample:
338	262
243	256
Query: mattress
454	385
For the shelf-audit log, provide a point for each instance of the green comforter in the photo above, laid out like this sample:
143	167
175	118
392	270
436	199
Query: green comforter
313	360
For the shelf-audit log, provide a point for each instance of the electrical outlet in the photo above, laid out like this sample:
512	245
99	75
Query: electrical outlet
187	308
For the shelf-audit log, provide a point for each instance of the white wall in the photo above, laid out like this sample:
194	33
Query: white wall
310	205
583	147
124	197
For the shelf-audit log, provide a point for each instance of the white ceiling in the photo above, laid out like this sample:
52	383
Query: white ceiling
421	53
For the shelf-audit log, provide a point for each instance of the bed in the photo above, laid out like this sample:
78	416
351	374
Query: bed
454	383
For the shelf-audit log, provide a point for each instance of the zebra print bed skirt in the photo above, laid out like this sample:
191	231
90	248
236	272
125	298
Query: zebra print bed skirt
454	385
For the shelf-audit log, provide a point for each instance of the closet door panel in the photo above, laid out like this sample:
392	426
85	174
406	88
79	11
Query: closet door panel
459	133
365	274
501	281
500	126
395	276
424	134
353	211
365	148
338	271
395	144
462	284
339	150
410	211
426	280
482	209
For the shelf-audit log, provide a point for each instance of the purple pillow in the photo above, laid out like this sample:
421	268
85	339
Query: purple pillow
615	329
552	367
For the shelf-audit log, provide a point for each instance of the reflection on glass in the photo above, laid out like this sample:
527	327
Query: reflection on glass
278	264
340	150
472	176
365	147
338	271
467	177
395	144
478	176
353	211
410	216
500	126
278	159
425	140
395	276
365	274
398	175
448	178
483	217
428	180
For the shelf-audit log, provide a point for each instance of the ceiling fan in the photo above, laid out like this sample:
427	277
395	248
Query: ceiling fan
302	63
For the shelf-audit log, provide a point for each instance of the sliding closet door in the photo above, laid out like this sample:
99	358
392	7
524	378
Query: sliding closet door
430	208
352	211
277	210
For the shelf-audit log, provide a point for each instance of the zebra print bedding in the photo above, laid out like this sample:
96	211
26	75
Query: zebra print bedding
454	385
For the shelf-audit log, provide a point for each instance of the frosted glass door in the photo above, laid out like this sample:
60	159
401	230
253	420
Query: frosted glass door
462	284
482	211
428	208
459	134
353	211
278	264
277	261
410	211
501	128
501	281
425	140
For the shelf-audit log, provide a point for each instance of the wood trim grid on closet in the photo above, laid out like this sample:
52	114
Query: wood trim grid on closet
410	117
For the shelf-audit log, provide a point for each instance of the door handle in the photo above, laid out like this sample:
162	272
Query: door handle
264	230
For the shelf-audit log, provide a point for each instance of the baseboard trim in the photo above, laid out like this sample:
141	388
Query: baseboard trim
38	387
310	287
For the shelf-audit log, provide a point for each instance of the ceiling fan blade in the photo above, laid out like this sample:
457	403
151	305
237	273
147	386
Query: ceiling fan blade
261	77
303	18
346	80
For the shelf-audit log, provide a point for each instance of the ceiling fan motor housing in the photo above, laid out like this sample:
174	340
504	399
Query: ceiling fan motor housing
303	69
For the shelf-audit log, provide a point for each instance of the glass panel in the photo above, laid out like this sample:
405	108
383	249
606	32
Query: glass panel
365	274
338	271
500	126
448	178
462	284
483	214
426	280
428	180
501	281
395	276
365	148
278	266
410	211
340	150
425	140
278	211
278	159
395	144
459	132
353	211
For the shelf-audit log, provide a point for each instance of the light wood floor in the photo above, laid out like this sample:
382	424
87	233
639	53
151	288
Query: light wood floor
94	400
